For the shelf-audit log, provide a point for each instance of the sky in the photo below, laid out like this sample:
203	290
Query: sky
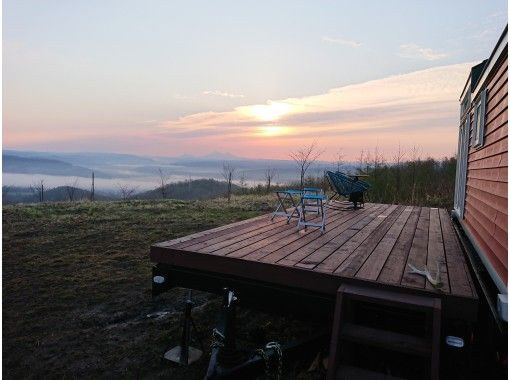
257	79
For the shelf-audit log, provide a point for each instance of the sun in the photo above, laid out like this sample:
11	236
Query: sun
269	112
271	131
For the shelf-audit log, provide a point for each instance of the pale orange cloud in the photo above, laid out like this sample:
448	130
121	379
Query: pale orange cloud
419	108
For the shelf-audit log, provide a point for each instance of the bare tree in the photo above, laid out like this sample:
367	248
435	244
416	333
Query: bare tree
126	191
304	157
377	160
269	175
368	161
189	182
71	190
242	181
398	157
163	179
361	160
228	173
415	157
339	159
92	189
38	190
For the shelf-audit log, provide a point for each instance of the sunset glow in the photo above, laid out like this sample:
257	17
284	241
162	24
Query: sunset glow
178	78
270	112
272	131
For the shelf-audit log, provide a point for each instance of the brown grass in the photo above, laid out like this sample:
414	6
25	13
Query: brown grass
77	288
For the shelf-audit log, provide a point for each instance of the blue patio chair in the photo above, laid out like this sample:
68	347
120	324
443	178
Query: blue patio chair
318	201
286	200
344	185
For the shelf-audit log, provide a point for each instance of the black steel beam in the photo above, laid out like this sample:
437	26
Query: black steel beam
287	301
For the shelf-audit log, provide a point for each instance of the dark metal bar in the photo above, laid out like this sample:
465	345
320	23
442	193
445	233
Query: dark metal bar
286	301
185	337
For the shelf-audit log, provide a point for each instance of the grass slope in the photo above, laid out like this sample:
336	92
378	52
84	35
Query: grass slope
76	288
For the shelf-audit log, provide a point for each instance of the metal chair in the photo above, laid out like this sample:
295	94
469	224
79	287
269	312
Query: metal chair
307	203
287	196
343	185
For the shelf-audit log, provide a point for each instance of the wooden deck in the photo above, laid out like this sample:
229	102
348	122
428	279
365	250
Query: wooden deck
370	246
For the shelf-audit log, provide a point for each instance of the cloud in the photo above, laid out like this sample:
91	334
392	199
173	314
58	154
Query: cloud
415	108
222	94
341	41
415	51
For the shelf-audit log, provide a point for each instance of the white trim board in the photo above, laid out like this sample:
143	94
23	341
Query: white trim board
490	65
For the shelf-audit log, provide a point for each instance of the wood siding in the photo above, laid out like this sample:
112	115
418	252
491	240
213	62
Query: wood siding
486	205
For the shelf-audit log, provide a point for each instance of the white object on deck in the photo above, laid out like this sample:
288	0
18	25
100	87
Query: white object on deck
435	281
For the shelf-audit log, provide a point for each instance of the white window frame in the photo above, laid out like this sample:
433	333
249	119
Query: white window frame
461	174
479	120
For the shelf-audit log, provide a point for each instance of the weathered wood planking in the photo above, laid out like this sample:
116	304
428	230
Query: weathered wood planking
351	265
316	245
436	258
250	242
257	252
375	262
418	253
342	252
317	257
393	269
371	245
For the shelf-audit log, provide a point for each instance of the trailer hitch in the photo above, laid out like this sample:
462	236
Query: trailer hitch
229	362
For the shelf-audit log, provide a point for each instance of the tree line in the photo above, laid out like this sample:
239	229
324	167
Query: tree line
404	177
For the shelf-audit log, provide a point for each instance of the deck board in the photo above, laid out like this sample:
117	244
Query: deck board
375	262
336	238
251	246
418	253
372	245
436	258
356	258
393	268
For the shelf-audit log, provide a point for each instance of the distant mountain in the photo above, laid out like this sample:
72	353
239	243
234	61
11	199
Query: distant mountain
222	156
36	165
145	170
14	194
187	190
88	159
213	156
70	193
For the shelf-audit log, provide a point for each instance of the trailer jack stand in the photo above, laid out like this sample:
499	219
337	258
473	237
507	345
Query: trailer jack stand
228	362
184	354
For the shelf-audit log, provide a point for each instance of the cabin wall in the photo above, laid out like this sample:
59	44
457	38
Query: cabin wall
486	202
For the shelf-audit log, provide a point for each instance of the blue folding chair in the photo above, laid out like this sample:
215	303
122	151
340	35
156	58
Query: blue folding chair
310	201
287	201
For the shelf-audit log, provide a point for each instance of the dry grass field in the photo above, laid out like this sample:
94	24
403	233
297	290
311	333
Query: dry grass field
77	288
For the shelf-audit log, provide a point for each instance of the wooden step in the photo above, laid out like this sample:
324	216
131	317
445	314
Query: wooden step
389	340
347	330
389	298
355	373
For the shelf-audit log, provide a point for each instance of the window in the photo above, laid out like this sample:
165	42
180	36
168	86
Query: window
464	105
479	120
